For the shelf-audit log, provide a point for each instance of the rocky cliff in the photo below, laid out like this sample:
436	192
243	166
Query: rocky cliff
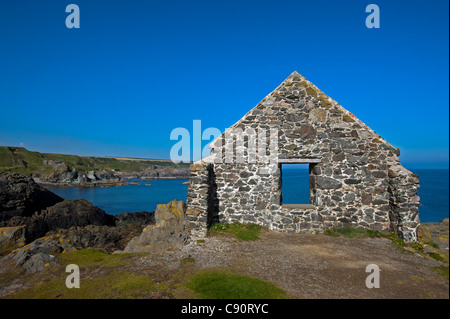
20	197
62	169
39	224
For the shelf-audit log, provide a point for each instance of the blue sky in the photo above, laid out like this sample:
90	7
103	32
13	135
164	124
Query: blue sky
135	70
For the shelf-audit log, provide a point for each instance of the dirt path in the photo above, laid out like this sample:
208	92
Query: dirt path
305	266
319	266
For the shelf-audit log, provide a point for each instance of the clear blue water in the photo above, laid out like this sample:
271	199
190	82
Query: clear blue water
132	198
433	192
295	184
128	198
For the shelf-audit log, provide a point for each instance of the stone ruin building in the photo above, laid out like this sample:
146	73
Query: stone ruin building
355	176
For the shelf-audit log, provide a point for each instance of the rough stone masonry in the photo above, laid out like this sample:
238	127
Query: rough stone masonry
355	176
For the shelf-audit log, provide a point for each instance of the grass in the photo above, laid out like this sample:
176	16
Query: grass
215	284
6	249
436	256
439	256
114	276
433	244
101	276
351	232
245	232
94	258
116	284
442	270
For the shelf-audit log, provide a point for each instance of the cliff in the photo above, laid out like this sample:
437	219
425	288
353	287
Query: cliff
47	168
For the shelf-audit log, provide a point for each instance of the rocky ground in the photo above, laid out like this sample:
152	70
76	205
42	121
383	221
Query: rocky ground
35	224
305	266
37	241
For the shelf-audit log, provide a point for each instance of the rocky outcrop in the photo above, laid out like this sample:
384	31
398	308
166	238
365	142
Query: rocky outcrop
39	231
63	174
59	234
38	254
20	196
64	215
12	236
70	176
39	224
168	232
85	171
157	172
435	233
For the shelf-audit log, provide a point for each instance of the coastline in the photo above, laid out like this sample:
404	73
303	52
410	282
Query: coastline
106	184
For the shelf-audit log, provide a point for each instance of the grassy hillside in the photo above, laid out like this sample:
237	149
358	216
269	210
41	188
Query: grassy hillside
23	161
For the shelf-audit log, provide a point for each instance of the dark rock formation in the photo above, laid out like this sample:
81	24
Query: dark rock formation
38	255
21	196
138	218
42	224
64	215
107	238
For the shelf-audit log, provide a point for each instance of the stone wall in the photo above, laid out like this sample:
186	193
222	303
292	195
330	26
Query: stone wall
355	175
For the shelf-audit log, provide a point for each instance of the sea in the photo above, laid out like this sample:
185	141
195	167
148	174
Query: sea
145	195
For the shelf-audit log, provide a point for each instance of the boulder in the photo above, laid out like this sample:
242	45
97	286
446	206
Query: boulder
37	255
12	236
107	238
173	213
21	196
168	232
38	262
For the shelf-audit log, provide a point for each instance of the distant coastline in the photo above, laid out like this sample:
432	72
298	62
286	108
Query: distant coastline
84	171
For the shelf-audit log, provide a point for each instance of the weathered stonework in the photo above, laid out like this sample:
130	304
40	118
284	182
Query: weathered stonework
355	175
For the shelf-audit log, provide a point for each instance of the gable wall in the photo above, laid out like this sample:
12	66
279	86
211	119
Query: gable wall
359	180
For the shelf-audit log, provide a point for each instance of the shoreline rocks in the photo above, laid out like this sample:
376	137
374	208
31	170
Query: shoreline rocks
104	178
20	196
37	223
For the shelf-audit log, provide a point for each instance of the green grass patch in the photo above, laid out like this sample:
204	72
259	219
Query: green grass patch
116	284
102	275
245	232
187	261
436	256
6	249
441	270
94	258
433	244
351	232
224	285
439	256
